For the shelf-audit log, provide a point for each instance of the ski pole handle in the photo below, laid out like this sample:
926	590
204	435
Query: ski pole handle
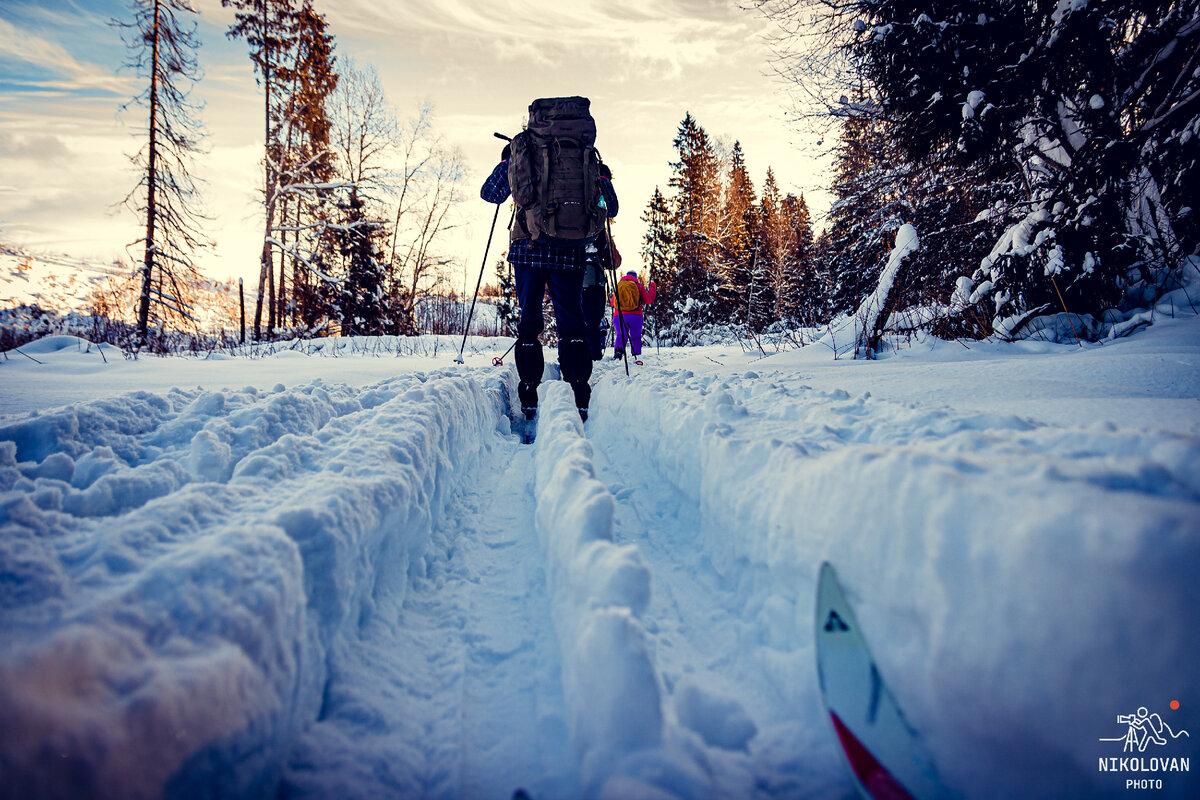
502	136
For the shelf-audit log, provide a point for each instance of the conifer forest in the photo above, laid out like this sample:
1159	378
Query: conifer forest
1043	152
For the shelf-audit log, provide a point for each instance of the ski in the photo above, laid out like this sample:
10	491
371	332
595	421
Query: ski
886	758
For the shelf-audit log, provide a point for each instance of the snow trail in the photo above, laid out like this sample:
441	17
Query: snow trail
189	562
373	590
719	665
456	693
972	545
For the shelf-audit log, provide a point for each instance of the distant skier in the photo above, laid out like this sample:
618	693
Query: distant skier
560	211
601	256
631	297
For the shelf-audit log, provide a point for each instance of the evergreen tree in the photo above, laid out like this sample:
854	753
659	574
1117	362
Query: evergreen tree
1068	127
796	287
697	181
507	308
740	235
1087	105
877	189
163	50
771	254
362	289
658	252
869	206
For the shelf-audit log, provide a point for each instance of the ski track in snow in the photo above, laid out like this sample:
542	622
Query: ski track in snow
979	545
332	591
456	693
715	666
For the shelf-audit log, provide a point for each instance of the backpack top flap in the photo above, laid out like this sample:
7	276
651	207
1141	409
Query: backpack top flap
563	118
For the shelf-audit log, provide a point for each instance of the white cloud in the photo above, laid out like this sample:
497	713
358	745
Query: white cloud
37	146
18	45
643	64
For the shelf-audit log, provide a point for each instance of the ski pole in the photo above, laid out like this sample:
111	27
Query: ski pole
498	361
482	267
654	311
612	261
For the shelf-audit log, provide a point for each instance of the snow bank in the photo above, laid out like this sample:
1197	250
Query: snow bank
175	568
599	591
1020	583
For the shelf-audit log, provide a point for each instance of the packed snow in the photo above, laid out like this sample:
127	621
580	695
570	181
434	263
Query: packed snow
339	573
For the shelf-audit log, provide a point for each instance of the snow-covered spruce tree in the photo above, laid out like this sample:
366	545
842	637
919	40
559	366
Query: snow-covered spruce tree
658	253
877	188
1090	105
163	49
869	206
359	239
697	180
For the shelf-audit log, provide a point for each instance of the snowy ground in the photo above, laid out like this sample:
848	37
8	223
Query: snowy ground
342	576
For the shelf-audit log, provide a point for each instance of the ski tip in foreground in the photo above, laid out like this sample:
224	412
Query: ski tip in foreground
886	758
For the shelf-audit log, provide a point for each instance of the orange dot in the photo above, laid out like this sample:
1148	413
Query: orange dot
1174	705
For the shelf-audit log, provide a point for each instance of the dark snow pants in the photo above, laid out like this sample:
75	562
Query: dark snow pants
566	289
594	304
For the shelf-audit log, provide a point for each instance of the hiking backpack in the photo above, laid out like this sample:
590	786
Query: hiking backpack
629	296
554	173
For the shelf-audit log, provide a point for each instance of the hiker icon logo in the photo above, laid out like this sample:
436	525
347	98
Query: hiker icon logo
1144	728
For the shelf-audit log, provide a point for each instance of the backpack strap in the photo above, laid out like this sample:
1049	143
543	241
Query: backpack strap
547	216
589	158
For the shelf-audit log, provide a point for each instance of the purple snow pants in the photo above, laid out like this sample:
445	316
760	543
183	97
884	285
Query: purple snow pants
633	324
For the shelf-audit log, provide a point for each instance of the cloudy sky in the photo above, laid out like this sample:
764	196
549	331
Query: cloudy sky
64	141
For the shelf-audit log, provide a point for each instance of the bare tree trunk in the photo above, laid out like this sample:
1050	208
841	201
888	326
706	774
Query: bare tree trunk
281	304
281	294
143	317
266	267
298	272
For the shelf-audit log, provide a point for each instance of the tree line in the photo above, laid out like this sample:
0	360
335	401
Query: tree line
356	203
721	253
1044	151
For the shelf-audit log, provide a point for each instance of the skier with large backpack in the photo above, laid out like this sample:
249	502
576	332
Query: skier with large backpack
552	171
631	297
